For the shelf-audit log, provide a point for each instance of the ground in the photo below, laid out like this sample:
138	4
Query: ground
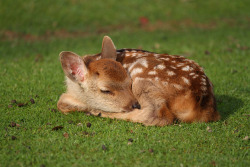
33	33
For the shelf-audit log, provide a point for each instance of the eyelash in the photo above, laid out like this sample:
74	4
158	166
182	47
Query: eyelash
106	91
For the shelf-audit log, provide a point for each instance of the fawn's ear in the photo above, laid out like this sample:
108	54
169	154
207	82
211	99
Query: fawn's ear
108	48
73	66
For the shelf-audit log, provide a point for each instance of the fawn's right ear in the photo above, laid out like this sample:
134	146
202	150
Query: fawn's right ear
108	48
73	66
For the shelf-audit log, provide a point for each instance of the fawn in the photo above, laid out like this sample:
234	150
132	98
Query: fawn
138	86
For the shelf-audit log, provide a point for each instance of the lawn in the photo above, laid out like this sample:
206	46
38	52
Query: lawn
33	33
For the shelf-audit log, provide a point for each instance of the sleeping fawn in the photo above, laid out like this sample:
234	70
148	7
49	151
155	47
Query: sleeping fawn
137	86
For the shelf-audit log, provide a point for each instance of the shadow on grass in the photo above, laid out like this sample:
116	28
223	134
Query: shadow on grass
227	105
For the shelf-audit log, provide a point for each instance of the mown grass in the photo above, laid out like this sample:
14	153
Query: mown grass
33	33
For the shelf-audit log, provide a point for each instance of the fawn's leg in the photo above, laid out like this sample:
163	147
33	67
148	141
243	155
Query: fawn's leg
154	112
154	107
67	104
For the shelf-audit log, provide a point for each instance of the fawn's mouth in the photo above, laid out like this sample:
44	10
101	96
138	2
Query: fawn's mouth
126	111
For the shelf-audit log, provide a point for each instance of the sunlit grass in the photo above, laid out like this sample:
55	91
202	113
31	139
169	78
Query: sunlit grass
30	69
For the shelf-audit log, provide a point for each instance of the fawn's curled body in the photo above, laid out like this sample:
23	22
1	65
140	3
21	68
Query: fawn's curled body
167	87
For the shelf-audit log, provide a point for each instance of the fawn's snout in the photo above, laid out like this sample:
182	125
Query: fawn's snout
128	102
134	104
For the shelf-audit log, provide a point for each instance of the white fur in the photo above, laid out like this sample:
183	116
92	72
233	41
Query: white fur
160	67
152	73
140	61
186	68
170	73
136	71
185	80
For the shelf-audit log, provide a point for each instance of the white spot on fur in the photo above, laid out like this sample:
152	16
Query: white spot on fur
134	54
144	63
163	58
126	65
195	76
170	73
186	68
160	67
156	78
156	55
179	87
152	73
180	64
203	83
192	74
136	71
173	61
98	58
204	88
187	60
139	55
185	80
134	51
203	79
141	61
127	54
173	67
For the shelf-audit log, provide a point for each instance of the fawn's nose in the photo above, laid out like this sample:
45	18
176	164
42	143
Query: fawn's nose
136	105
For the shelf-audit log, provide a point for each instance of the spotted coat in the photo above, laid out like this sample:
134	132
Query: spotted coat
165	70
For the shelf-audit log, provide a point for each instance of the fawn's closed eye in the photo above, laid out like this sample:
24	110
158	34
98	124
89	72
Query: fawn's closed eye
106	91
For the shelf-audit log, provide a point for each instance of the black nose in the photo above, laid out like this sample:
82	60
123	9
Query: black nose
136	105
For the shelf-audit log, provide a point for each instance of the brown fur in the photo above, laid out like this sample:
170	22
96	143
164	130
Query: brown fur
167	87
105	69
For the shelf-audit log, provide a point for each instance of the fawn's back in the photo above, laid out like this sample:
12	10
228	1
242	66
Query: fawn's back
167	87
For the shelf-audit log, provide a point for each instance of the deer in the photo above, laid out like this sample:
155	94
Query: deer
138	86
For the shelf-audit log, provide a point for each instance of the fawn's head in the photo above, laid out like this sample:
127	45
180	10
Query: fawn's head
105	84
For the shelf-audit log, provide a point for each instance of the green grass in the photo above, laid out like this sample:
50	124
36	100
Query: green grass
33	33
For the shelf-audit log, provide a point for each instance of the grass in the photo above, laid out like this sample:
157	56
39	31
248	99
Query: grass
32	34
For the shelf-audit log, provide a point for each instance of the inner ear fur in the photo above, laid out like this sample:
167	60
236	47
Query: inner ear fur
73	66
108	49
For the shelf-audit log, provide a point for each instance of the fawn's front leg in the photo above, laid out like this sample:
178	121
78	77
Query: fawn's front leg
68	103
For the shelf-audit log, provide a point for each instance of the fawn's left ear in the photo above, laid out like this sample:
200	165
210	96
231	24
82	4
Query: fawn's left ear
108	49
73	66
